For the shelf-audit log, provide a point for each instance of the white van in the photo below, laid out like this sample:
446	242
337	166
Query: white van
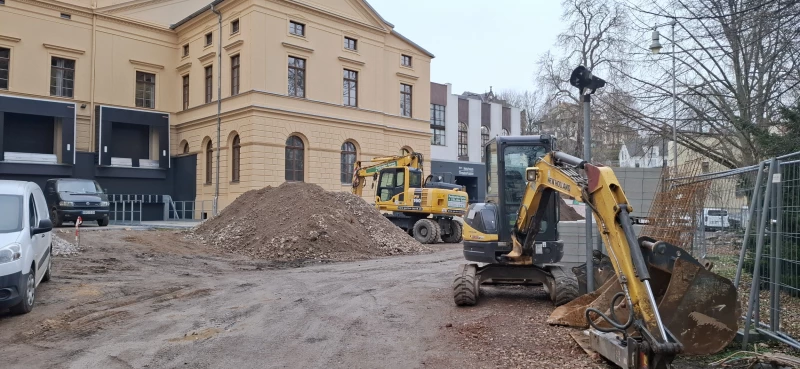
715	219
25	244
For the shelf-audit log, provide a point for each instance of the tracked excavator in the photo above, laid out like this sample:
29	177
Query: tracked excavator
423	208
655	301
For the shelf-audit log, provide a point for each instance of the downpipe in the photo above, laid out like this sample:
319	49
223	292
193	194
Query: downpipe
219	105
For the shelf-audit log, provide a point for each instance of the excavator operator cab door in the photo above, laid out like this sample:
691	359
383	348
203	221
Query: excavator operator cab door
392	185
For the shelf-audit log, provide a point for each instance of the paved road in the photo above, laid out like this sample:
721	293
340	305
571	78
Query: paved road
130	301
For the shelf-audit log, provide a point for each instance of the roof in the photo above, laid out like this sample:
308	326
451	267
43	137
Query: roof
217	2
636	146
14	187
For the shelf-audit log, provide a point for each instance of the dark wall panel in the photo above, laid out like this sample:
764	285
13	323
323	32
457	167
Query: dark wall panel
486	115
463	110
184	177
110	119
130	141
28	133
438	94
507	119
464	170
65	112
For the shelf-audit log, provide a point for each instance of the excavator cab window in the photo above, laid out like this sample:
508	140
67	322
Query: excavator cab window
392	182
414	178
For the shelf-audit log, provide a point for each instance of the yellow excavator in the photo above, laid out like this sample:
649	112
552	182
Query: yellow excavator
423	208
655	301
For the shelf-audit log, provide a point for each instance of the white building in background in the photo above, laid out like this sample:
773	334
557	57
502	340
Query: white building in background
460	126
642	152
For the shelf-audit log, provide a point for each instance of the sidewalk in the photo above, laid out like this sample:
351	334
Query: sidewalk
146	225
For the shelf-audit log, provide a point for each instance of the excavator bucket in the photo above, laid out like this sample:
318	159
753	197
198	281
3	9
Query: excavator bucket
698	307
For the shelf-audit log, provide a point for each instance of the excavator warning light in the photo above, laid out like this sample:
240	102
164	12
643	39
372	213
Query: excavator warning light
532	174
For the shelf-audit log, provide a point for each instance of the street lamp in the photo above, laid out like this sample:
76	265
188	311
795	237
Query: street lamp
655	48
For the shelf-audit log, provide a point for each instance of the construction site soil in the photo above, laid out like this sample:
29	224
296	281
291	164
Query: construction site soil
301	221
568	213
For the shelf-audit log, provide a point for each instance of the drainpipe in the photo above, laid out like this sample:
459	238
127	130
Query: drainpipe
92	137
219	104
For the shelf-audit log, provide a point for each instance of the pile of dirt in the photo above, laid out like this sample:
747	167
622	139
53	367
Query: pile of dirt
301	221
567	212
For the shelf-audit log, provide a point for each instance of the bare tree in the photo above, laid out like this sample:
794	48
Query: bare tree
531	103
737	65
593	38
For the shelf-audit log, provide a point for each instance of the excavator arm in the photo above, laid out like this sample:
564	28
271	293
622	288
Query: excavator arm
653	344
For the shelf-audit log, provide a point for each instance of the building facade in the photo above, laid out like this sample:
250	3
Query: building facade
642	152
301	90
460	125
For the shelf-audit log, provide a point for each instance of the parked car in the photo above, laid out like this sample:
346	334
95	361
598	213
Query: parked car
715	219
70	198
26	244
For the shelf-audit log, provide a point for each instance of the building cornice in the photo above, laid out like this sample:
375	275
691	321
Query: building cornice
233	45
10	39
137	24
146	64
87	12
184	66
297	47
126	6
333	16
351	61
64	49
407	76
207	57
61	7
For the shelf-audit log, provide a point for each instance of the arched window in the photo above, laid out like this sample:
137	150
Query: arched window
236	157
209	161
504	132
294	159
185	147
348	161
462	140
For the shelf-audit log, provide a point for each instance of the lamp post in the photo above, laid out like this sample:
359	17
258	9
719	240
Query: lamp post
655	48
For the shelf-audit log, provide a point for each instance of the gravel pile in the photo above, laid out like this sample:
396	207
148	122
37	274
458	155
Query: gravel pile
301	221
62	247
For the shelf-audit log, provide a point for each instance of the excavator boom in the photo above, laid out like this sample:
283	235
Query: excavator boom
674	305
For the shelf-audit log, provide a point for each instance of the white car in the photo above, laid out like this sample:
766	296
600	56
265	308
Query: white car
25	244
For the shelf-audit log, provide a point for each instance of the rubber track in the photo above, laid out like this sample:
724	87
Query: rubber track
566	285
456	236
465	288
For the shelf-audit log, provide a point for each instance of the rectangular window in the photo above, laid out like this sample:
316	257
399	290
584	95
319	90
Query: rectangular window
350	43
2	2
186	50
297	29
5	63
235	75
350	90
297	77
66	16
209	83
62	77
186	92
234	26
145	90
209	38
437	125
405	61
405	100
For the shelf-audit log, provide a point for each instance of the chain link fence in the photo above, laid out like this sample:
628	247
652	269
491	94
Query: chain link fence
746	222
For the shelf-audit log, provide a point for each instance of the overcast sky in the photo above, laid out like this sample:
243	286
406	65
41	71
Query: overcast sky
478	43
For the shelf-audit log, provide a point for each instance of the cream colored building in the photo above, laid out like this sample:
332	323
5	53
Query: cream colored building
359	89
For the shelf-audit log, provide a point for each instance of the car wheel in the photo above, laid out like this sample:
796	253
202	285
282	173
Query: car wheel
28	293
54	218
102	222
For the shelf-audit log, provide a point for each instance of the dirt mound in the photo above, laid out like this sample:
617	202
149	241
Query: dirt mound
567	212
301	221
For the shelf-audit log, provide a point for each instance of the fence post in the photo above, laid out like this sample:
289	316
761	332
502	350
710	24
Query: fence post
752	304
123	212
750	215
778	247
774	289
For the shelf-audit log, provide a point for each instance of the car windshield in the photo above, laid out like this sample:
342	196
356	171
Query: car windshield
717	213
78	187
11	216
